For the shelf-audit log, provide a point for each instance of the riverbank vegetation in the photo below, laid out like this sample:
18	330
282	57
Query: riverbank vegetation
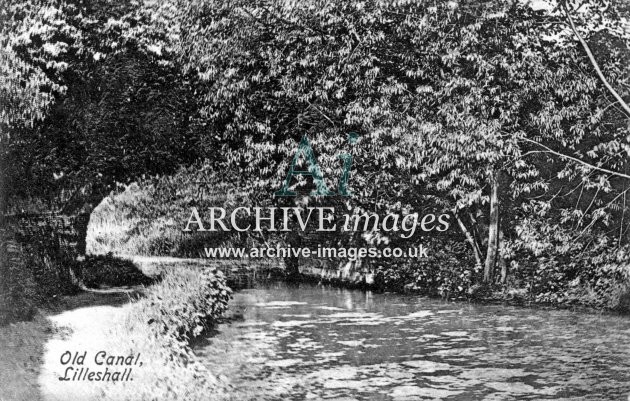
160	326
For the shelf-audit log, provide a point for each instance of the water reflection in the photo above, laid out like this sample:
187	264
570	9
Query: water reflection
312	342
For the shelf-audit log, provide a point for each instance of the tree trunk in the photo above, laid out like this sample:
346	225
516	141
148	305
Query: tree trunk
471	240
81	226
502	261
82	219
475	231
493	230
292	262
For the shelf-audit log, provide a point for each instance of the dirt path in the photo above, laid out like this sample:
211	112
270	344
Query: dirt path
30	351
83	324
80	332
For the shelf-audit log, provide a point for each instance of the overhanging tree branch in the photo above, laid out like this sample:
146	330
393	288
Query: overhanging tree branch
587	49
549	150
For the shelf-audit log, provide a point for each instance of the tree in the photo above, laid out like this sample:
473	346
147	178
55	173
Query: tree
489	111
448	99
106	104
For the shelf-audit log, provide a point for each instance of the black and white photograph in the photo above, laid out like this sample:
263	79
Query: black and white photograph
344	200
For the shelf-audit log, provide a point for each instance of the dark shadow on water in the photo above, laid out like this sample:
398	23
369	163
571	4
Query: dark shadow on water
251	279
233	315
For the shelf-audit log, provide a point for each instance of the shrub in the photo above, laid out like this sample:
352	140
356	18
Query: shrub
186	302
97	270
34	269
599	278
448	271
180	307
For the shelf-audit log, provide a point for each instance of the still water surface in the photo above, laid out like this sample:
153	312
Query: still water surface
312	342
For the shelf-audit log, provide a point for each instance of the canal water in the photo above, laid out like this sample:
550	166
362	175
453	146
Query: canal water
303	342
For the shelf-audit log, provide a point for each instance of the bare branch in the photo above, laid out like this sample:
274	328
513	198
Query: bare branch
616	95
549	150
320	112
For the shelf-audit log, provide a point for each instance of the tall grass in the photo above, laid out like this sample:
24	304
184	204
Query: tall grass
182	306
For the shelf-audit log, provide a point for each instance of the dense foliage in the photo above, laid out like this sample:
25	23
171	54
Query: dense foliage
103	107
491	112
511	118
